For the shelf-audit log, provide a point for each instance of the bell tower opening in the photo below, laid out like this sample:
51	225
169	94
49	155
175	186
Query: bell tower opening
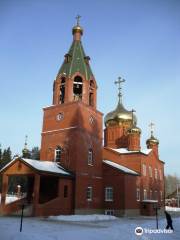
62	90
77	88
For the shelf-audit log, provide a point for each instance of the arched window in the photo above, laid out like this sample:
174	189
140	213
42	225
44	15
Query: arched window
77	88
62	90
145	194
90	157
58	154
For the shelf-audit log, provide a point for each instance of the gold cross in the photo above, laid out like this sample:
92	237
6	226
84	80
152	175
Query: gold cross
78	19
119	81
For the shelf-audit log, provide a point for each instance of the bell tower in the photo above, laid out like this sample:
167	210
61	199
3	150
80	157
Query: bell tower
72	126
75	80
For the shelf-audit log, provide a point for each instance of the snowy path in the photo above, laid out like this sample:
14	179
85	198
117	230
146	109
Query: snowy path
120	229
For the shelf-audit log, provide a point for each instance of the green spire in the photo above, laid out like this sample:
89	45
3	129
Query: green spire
76	61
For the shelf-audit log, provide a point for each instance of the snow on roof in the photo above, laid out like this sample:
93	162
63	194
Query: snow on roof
126	151
120	167
45	166
150	201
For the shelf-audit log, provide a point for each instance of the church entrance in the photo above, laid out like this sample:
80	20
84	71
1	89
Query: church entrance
48	188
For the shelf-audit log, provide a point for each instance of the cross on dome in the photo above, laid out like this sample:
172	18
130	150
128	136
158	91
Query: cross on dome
25	144
151	126
119	82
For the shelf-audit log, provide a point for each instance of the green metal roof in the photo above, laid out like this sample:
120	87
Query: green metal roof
77	62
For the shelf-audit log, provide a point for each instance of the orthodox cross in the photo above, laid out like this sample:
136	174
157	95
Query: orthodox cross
78	19
119	81
25	144
151	126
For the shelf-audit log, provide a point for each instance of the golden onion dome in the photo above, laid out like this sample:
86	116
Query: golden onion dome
77	29
152	141
134	130
120	116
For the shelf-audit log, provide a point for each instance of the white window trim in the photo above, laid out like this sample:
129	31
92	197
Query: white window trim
111	211
89	199
138	195
107	199
145	194
55	154
90	154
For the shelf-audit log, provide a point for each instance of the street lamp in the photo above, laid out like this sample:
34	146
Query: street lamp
156	208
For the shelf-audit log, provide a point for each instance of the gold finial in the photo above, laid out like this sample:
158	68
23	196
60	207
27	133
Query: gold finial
151	126
119	81
78	19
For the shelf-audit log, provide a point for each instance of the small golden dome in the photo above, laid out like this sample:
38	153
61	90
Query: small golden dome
120	116
134	129
77	29
152	140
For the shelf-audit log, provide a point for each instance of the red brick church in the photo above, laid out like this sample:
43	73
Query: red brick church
76	173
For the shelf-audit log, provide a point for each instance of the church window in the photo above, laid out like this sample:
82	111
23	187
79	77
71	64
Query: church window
156	195
90	157
161	194
108	194
65	191
144	169
150	194
109	212
156	173
67	58
58	154
77	88
145	194
150	171
89	194
138	194
62	90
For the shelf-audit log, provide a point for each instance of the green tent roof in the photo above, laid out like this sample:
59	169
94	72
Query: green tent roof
78	62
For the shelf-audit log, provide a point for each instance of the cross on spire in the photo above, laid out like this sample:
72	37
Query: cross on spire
119	82
151	126
25	144
78	19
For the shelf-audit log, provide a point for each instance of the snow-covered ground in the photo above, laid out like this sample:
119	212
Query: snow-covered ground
118	229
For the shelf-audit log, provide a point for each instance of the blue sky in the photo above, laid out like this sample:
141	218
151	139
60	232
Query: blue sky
135	39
